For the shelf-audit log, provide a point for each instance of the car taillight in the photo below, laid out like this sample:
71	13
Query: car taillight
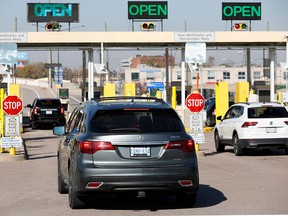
35	110
62	110
90	147
184	145
248	124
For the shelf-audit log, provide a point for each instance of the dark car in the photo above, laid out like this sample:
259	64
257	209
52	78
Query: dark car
210	108
46	112
136	145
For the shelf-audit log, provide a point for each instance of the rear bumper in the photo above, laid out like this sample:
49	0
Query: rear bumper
58	121
158	184
264	143
139	180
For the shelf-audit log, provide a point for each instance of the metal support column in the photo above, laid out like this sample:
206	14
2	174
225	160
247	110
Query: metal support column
90	74
248	55
168	98
183	77
50	69
84	68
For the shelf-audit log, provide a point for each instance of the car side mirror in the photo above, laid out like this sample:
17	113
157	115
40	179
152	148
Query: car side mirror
219	118
59	130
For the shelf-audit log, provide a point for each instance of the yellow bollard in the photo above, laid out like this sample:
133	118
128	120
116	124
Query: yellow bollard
242	92
159	94
173	97
12	151
109	90
197	147
129	89
221	98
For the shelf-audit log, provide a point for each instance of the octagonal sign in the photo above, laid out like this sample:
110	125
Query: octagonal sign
12	105
195	102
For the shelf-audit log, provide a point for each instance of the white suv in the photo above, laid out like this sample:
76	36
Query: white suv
252	125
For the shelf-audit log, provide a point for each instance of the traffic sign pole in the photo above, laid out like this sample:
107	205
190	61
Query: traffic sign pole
195	103
12	105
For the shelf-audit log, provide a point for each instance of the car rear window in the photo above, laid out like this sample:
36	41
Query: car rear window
267	112
136	121
48	103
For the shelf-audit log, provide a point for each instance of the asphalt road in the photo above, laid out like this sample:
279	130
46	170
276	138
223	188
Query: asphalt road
252	184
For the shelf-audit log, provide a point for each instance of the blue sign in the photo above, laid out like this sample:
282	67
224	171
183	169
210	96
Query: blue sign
150	70
22	56
156	85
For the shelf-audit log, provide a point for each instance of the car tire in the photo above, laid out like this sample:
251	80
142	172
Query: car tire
237	149
218	145
75	201
186	199
61	185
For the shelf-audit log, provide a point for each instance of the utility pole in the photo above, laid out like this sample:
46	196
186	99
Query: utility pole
50	70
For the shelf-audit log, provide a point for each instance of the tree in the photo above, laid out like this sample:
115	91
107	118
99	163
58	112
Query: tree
32	71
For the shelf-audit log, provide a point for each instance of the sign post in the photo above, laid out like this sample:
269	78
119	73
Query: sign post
12	105
195	103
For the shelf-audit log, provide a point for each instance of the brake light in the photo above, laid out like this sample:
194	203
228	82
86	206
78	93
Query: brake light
184	145
90	147
248	124
62	110
35	110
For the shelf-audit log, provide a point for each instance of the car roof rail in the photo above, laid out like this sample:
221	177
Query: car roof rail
132	98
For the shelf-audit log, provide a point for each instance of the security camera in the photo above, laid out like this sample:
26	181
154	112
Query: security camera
103	68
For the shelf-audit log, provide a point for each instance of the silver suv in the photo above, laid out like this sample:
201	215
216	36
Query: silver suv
126	144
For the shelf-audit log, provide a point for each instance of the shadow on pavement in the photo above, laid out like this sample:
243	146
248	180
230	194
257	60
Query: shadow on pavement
207	197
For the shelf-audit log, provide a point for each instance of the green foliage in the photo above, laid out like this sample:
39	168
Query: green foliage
32	71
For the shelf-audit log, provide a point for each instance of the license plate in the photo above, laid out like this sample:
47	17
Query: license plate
271	130
140	152
49	112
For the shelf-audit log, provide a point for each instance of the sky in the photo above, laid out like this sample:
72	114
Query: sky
112	15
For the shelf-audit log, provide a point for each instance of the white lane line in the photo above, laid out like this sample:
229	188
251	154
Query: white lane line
75	99
36	92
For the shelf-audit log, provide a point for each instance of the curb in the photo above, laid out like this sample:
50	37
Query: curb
208	129
6	157
200	154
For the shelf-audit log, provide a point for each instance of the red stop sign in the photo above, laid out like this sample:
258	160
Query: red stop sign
195	102
12	105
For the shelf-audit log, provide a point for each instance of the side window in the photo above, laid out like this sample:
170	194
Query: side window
72	120
234	112
228	114
237	111
34	103
79	123
73	113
